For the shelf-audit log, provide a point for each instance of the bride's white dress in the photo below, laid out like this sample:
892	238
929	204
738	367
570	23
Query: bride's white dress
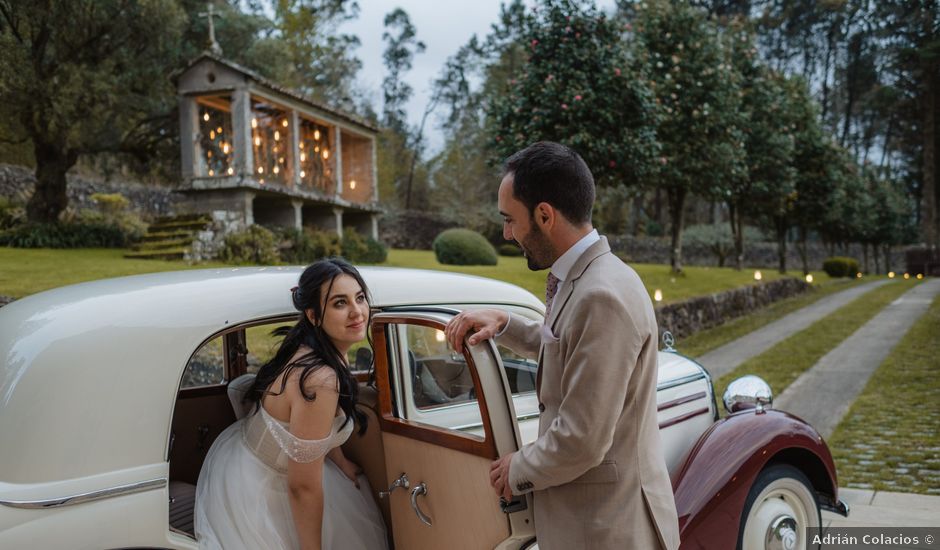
242	495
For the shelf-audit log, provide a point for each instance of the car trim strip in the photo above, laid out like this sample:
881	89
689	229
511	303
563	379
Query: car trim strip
680	381
120	490
681	401
682	418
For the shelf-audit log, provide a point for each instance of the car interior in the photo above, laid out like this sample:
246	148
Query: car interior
221	370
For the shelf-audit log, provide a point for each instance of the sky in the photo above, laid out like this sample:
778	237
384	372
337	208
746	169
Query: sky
443	25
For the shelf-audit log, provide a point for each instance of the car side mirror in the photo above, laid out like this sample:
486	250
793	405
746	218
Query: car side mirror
748	392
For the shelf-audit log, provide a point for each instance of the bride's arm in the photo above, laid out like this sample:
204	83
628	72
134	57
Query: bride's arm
310	420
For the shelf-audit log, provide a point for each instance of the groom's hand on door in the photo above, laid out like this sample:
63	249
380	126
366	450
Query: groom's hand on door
499	476
483	323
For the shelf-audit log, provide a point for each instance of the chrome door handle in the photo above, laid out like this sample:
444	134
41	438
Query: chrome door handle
420	489
402	482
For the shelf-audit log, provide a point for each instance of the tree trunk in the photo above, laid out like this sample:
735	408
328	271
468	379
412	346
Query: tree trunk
803	252
930	195
877	258
737	235
781	244
676	208
50	197
887	252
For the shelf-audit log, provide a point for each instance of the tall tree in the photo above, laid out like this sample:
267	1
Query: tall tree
79	77
697	92
579	87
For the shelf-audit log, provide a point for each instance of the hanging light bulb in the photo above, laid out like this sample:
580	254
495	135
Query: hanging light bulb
352	184
209	154
211	173
218	130
261	181
303	157
282	160
231	171
809	277
275	148
757	275
316	149
225	148
254	123
257	142
303	174
211	134
261	169
206	116
277	170
658	295
284	123
277	135
316	133
326	154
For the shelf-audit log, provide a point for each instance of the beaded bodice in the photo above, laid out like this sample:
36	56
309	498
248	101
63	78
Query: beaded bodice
271	441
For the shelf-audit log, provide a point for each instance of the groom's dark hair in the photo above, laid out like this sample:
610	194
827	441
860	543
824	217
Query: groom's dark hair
551	172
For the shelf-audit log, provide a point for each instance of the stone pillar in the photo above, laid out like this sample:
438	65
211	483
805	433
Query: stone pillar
298	214
248	207
189	142
293	158
241	128
374	218
338	212
375	180
338	161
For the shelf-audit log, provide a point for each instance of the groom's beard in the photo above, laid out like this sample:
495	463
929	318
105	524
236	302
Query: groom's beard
537	249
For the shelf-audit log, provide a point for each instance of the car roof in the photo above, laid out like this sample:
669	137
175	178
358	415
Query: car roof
90	371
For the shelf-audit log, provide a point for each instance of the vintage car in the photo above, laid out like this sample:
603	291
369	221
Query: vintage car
111	393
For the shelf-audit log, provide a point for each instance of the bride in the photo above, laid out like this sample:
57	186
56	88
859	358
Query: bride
278	478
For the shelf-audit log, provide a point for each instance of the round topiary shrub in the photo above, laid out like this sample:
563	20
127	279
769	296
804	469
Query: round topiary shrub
254	245
840	266
463	247
509	249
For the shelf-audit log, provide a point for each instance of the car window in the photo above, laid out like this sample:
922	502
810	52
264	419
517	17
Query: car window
206	367
519	371
442	389
263	342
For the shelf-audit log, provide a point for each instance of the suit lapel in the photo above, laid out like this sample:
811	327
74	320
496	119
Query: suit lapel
595	251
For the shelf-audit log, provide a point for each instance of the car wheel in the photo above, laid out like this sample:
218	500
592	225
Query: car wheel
779	508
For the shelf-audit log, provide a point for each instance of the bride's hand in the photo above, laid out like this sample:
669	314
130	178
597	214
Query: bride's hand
350	469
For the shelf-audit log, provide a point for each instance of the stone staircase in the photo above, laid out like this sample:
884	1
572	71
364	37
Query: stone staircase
169	238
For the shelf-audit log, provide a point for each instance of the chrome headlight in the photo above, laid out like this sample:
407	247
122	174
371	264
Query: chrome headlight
748	392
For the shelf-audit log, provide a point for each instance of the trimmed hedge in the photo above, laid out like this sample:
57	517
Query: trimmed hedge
253	245
463	247
840	266
359	249
65	235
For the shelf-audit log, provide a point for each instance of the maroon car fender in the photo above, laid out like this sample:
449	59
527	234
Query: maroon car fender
713	482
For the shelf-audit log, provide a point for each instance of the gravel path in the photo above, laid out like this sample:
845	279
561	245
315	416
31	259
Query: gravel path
726	358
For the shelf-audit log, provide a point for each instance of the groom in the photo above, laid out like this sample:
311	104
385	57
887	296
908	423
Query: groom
596	470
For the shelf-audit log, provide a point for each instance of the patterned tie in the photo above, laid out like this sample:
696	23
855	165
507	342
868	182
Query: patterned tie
551	287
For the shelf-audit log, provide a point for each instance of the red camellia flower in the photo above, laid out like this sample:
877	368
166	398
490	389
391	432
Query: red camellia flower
663	160
612	164
534	42
617	71
564	106
577	98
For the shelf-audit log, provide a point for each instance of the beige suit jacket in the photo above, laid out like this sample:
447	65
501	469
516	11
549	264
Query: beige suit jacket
597	469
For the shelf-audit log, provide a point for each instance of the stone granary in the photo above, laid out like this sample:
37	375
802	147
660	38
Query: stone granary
254	152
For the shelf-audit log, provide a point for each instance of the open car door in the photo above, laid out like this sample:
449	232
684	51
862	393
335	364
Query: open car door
444	417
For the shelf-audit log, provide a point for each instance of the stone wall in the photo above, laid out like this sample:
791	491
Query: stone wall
656	250
412	230
209	241
685	318
17	183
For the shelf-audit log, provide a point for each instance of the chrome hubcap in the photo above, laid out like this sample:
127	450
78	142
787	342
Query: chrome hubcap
781	534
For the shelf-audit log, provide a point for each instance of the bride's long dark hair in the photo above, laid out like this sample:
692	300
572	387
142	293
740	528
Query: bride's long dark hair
315	283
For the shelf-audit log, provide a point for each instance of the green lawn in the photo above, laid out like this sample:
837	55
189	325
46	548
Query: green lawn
889	440
27	271
782	364
704	341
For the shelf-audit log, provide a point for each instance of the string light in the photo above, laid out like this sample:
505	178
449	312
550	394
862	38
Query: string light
316	134
225	148
254	122
209	154
352	184
920	276
757	275
658	295
890	274
284	124
303	174
326	154
261	169
809	278
277	135
231	170
276	170
205	116
212	134
316	149
303	157
219	130
257	142
211	172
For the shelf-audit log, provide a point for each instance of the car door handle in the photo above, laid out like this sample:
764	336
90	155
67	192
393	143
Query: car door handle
420	489
402	482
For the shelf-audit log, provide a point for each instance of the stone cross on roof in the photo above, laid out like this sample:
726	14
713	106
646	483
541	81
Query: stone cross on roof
210	15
